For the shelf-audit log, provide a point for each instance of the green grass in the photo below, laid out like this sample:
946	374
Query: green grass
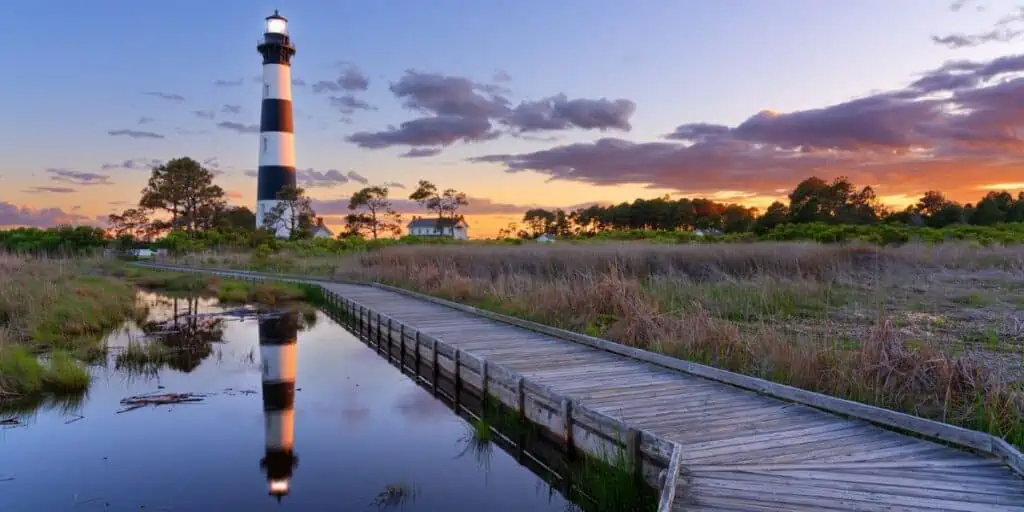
141	358
86	309
23	374
64	374
227	291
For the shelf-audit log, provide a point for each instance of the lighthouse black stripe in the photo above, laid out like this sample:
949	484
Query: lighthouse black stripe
278	395
271	179
276	116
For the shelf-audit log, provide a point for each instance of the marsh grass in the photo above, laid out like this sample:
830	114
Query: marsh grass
141	358
830	319
227	291
54	314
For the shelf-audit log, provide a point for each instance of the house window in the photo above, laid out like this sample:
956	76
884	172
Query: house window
266	90
264	144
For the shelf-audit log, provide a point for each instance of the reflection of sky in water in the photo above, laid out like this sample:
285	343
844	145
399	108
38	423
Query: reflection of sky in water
360	425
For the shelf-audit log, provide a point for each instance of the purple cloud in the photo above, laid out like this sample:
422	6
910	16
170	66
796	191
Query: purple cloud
351	79
560	113
421	152
239	127
347	104
12	215
358	178
77	177
135	134
311	178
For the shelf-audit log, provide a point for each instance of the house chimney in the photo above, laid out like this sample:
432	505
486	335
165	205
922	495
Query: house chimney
320	221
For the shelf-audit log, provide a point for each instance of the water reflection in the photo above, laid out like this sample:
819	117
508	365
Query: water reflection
374	439
278	338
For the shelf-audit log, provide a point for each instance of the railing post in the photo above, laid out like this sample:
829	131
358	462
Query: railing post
401	347
378	333
416	356
567	424
435	372
521	398
483	381
388	340
457	379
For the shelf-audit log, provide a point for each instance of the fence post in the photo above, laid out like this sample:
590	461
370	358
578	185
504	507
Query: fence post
401	347
434	370
567	424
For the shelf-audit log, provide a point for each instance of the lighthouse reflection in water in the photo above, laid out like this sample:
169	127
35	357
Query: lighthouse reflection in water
278	344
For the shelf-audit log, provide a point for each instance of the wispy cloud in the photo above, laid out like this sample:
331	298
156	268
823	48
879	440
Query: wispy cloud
169	96
204	114
50	190
229	83
239	127
138	164
78	177
135	134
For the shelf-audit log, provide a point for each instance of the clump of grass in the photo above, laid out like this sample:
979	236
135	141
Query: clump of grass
24	375
64	374
140	357
21	373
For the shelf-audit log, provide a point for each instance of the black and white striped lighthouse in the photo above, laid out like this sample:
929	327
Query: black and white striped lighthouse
278	342
277	138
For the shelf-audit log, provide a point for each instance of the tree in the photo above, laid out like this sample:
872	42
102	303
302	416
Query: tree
293	214
539	221
184	189
133	222
235	218
776	214
445	204
373	213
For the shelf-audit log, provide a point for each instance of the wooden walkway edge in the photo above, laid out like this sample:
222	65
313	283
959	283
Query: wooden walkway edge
727	441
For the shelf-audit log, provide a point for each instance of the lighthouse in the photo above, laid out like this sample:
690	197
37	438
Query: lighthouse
277	138
278	337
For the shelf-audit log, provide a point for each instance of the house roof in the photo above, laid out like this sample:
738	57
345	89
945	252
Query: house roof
435	223
317	229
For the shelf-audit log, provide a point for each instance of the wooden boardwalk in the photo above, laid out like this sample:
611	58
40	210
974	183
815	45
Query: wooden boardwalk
735	449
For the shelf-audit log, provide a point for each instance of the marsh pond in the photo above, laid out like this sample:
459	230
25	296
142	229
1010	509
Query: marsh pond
204	407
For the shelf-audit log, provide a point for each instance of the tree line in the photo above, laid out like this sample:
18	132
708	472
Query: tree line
180	199
813	200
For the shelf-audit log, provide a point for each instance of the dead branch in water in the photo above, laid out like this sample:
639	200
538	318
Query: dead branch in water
135	402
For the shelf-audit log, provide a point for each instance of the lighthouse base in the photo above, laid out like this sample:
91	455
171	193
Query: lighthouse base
282	228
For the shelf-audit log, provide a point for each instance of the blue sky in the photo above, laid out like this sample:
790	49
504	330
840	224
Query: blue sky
78	70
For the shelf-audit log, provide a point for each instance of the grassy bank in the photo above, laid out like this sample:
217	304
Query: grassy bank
228	291
53	313
932	330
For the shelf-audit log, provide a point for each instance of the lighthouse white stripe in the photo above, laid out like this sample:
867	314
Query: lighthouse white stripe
280	428
279	361
277	81
277	148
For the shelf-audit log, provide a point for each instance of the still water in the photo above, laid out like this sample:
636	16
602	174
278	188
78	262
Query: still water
293	413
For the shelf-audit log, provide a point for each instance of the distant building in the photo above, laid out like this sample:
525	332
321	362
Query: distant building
546	238
320	230
708	232
454	228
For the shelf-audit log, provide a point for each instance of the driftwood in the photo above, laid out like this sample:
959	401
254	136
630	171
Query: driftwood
10	422
135	402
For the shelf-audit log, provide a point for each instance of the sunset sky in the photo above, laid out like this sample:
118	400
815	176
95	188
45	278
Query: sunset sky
517	103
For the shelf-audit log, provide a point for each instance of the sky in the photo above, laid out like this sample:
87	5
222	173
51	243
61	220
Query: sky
518	104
